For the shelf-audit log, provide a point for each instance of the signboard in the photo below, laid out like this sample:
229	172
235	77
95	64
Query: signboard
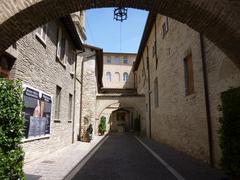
37	112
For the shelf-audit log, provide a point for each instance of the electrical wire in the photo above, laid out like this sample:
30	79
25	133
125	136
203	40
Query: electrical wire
120	37
90	30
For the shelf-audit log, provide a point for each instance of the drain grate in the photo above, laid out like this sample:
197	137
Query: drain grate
48	162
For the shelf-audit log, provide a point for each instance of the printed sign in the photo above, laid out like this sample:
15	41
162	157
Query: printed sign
37	112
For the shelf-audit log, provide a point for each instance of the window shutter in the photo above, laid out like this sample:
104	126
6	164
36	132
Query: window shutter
66	54
59	43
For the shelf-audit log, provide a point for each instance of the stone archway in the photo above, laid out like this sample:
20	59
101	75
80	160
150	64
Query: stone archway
218	20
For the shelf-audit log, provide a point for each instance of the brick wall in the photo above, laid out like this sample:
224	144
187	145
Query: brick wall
36	66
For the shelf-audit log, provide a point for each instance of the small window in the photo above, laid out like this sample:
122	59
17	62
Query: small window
70	107
125	76
61	46
58	102
42	33
156	92
109	61
109	76
125	61
165	27
188	72
117	76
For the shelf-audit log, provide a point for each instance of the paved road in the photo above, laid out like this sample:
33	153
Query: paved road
123	157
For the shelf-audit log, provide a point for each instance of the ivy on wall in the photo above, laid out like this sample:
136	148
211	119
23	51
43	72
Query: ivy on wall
11	126
230	132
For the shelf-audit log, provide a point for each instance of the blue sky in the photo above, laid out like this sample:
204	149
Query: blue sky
104	32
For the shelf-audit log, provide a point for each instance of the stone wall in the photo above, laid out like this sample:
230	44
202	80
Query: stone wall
222	75
36	66
180	119
89	94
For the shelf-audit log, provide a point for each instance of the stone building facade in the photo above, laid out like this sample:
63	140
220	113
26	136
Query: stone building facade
117	99
169	72
117	70
46	62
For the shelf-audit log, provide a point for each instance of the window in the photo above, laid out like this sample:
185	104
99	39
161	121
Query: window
109	61
70	107
156	92
109	76
72	61
165	27
154	49
58	102
117	60
42	33
6	63
125	61
117	76
62	46
125	76
188	72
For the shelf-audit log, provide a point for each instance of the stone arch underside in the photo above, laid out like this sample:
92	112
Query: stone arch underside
218	20
138	103
107	105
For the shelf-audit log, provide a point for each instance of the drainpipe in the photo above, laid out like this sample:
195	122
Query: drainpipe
85	59
149	98
207	101
134	76
74	99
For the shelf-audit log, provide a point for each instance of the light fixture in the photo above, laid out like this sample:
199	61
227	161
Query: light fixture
120	14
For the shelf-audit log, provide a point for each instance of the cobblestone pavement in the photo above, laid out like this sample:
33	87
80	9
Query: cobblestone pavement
57	165
122	156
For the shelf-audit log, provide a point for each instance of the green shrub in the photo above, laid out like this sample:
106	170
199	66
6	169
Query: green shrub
137	124
11	126
102	125
230	132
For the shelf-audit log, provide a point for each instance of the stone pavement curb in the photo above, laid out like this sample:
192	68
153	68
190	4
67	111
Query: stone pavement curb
62	163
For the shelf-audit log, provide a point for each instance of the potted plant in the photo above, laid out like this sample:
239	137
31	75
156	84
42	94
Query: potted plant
102	125
89	133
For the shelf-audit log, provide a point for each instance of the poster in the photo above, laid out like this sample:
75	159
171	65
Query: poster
37	112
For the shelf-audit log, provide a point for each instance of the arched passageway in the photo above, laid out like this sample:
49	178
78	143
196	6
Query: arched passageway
218	20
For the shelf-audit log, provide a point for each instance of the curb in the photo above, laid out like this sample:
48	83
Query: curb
84	160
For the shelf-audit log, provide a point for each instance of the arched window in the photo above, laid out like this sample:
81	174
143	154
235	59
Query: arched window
117	76
109	76
125	76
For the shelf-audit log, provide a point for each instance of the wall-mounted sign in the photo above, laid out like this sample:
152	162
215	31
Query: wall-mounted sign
37	112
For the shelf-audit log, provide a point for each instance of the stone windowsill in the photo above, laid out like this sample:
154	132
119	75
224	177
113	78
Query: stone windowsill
35	138
61	62
41	40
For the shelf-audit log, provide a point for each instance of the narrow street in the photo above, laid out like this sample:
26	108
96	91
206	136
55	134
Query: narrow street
122	156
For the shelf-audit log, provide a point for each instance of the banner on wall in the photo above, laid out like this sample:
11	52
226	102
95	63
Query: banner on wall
37	112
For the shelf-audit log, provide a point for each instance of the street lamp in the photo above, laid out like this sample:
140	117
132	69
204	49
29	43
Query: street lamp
120	14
